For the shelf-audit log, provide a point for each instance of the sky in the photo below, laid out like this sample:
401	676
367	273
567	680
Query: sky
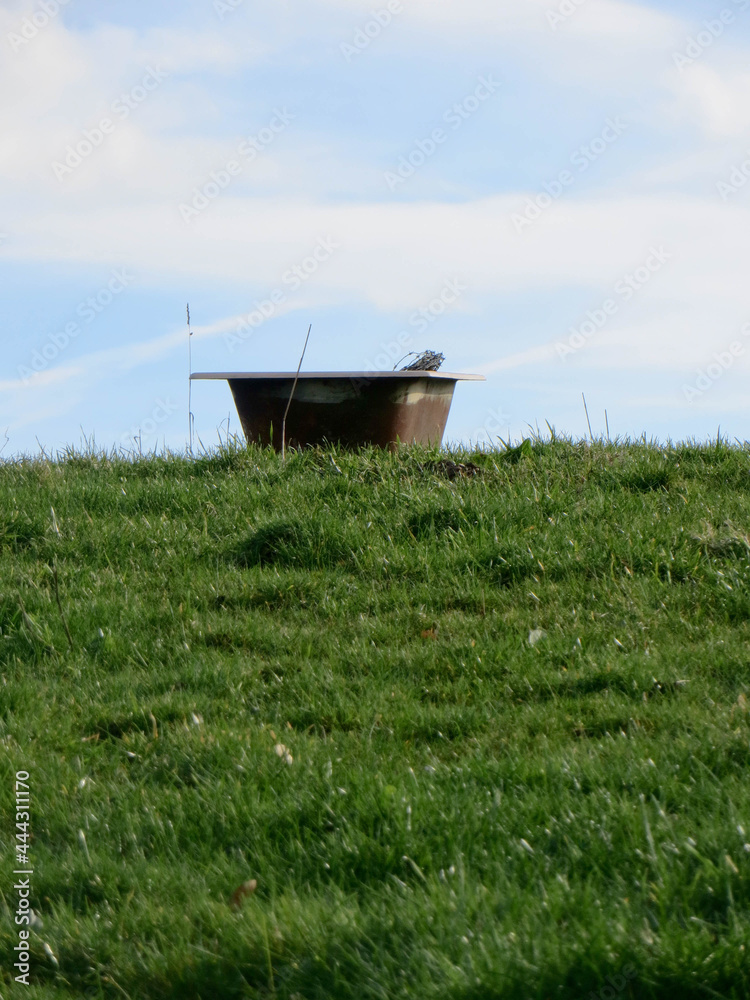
553	193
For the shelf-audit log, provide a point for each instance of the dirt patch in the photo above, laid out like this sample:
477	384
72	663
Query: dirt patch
454	470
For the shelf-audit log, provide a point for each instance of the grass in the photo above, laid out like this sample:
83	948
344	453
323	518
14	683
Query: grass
475	737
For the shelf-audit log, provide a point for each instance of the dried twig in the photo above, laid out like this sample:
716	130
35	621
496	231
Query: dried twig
428	361
291	395
587	417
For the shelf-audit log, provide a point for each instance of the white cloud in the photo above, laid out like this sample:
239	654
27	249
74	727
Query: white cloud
630	23
62	82
717	99
463	18
395	257
59	389
519	359
599	44
392	254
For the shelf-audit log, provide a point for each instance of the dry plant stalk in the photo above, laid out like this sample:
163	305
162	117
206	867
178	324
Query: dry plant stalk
291	396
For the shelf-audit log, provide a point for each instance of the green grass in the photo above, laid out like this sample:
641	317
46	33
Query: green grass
468	814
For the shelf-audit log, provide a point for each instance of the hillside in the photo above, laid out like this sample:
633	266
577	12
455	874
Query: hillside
477	731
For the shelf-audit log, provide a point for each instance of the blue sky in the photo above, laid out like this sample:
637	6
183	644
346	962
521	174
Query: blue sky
576	172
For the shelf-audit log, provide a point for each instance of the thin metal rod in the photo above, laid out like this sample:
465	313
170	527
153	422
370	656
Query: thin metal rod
606	421
291	396
587	417
191	421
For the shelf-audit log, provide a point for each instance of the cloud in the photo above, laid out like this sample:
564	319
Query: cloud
391	255
462	19
42	380
598	43
65	81
58	389
519	359
394	258
717	99
62	83
630	23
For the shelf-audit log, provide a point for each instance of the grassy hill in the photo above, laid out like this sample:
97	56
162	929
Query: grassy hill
475	732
